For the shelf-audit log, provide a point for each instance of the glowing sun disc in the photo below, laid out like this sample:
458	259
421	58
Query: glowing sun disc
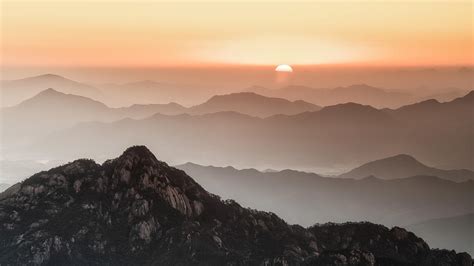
284	68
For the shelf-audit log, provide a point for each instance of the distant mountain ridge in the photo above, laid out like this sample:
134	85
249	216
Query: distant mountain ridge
402	165
346	134
16	91
151	92
290	193
405	201
253	104
51	98
51	110
246	103
137	210
358	93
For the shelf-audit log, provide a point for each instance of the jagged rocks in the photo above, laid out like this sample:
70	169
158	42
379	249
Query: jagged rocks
138	210
345	257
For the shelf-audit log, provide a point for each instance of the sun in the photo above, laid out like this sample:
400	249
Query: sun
284	68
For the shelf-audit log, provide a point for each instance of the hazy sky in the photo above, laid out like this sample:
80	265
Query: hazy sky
151	33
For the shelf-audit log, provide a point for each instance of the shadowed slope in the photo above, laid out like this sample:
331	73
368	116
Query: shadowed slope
138	210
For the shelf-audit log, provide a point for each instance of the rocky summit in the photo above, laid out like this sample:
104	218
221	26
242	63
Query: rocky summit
136	210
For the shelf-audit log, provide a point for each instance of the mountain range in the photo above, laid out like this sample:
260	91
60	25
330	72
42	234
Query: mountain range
343	135
152	92
16	91
138	210
291	193
51	110
252	104
359	93
117	95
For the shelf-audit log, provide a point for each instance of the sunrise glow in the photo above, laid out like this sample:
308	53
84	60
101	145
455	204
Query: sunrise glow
167	34
284	68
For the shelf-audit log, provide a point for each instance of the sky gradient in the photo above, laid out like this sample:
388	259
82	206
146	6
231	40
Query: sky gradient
140	34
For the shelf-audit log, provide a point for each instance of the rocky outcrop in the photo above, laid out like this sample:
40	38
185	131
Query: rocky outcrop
138	210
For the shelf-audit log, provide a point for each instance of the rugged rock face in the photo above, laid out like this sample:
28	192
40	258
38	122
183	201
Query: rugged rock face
138	210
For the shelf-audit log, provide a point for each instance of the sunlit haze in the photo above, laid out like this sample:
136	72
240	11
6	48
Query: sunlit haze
131	34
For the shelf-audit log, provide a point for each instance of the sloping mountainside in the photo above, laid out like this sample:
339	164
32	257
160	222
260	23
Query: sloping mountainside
403	165
451	232
10	190
290	194
252	104
3	186
138	210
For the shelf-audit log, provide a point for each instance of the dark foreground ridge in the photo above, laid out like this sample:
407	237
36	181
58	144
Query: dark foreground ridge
137	210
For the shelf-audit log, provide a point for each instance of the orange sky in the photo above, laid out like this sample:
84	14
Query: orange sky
153	33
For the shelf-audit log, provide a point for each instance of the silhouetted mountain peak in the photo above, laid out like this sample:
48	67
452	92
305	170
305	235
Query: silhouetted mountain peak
138	168
49	76
252	104
363	87
187	164
137	157
51	96
241	95
138	210
252	96
140	151
404	166
350	109
51	79
352	105
50	91
48	94
403	158
400	161
21	89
